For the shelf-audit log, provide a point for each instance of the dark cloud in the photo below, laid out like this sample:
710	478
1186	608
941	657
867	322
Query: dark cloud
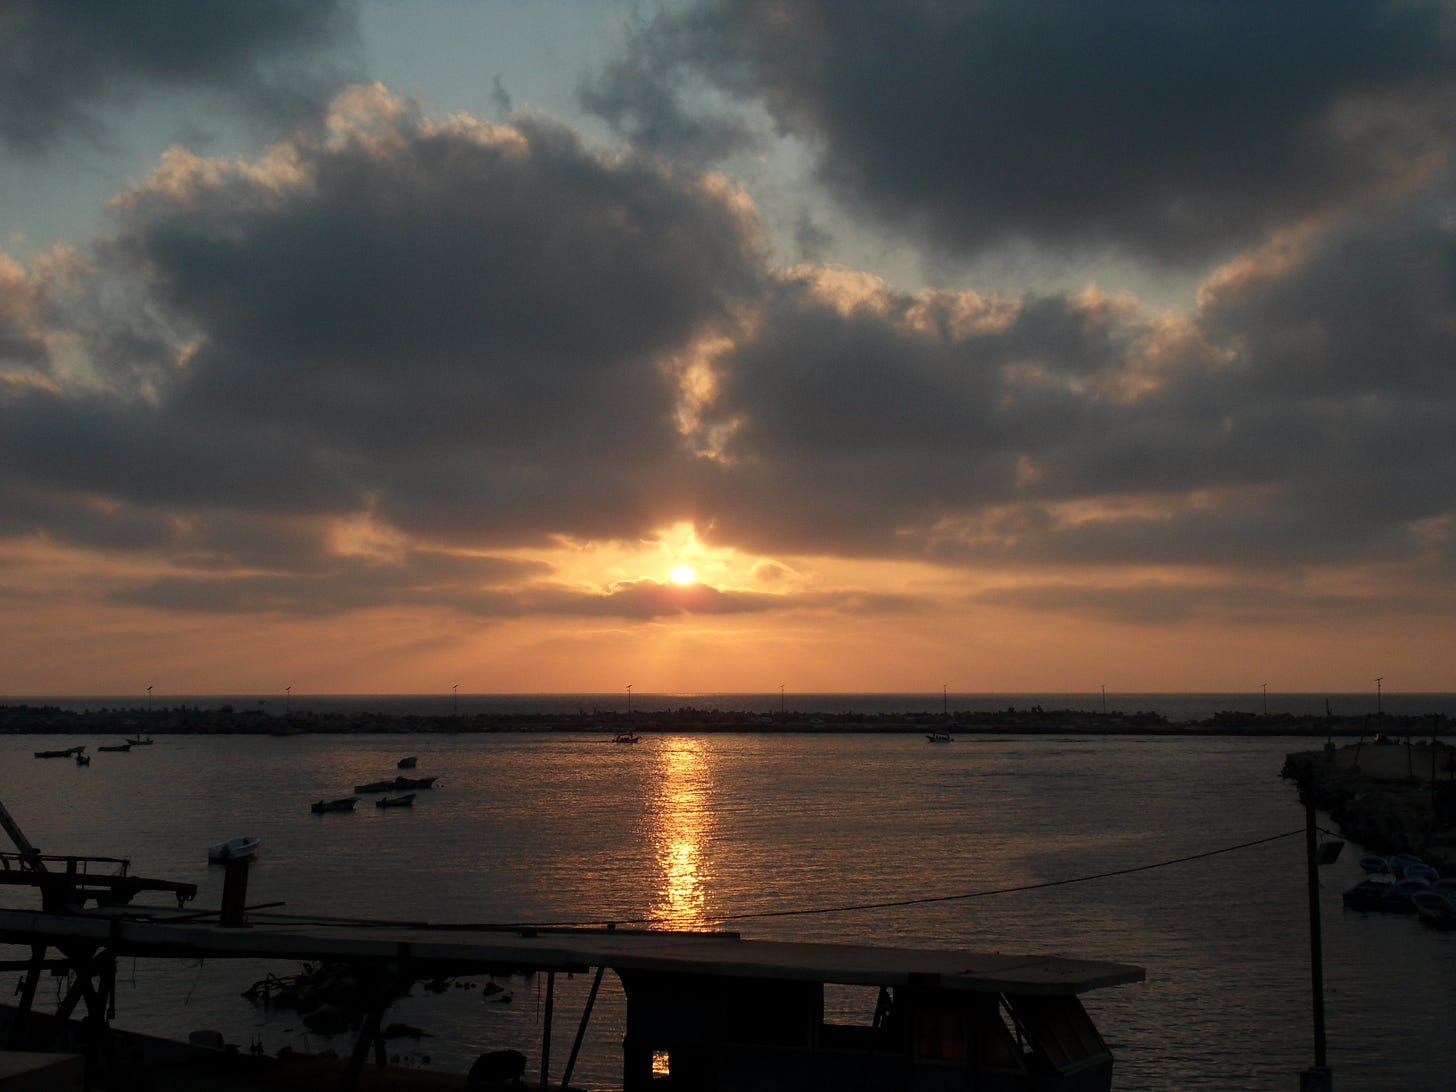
419	580
1146	603
22	347
466	330
1178	131
63	64
471	337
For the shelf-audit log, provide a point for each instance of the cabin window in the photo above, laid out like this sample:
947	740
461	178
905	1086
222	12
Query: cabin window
1061	1028
940	1034
860	1018
996	1047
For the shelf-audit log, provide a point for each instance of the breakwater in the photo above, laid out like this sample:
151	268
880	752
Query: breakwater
1034	720
1386	794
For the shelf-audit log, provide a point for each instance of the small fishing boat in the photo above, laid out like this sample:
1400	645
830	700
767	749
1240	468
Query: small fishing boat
1400	862
121	747
1374	862
395	801
626	737
407	763
373	786
343	804
415	782
1398	899
141	742
234	849
1369	893
939	737
67	753
1435	908
83	760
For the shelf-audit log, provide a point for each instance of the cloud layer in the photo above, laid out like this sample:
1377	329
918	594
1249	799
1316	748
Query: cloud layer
1177	132
410	363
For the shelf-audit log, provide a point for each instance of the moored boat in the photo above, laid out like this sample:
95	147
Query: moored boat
141	741
374	786
626	737
415	782
1370	892
1435	908
407	763
83	760
1398	899
1374	862
345	803
395	801
67	753
939	737
119	747
234	849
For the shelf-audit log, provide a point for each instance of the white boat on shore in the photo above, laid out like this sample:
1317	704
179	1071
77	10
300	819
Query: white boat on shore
234	849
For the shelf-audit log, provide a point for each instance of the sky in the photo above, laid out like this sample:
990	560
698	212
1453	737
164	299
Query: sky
363	346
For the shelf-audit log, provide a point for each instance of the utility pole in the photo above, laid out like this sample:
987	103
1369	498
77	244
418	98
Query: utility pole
1317	1078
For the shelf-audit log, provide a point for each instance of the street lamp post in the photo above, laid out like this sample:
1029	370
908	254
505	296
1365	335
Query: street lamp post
629	699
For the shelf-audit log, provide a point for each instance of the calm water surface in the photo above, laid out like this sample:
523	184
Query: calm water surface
691	831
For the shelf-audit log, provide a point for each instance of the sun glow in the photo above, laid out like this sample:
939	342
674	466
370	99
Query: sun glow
684	574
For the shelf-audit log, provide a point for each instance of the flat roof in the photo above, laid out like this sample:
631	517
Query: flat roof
437	950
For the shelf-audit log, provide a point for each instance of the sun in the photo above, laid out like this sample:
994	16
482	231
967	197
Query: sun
684	574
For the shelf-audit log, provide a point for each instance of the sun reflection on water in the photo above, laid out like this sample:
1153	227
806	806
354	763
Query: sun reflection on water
682	828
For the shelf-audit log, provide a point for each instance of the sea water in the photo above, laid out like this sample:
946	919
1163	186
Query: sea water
744	831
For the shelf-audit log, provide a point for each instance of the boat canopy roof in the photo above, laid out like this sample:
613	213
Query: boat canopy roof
442	950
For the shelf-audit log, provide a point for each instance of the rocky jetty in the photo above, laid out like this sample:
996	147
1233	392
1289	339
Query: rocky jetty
1012	720
1387	795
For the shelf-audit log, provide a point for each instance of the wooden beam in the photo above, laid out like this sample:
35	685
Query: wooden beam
17	836
586	1012
546	1027
37	963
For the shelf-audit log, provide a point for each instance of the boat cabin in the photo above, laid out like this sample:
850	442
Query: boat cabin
924	1033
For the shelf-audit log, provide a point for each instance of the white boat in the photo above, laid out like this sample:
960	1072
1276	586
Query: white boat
234	849
939	737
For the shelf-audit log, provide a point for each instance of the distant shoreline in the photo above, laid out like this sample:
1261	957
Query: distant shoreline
184	720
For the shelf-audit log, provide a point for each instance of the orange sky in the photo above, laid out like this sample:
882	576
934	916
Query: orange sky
351	351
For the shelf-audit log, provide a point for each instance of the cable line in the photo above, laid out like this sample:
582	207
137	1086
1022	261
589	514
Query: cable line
922	900
925	899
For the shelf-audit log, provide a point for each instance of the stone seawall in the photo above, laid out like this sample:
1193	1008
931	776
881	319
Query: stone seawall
1387	796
